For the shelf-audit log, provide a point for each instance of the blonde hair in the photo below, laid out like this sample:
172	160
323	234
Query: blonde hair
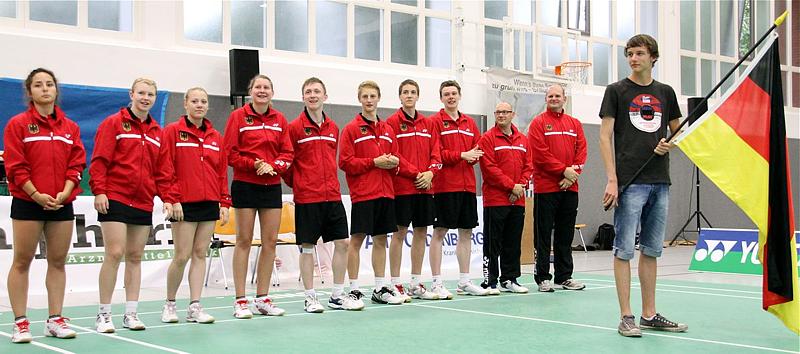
369	84
196	88
259	76
145	81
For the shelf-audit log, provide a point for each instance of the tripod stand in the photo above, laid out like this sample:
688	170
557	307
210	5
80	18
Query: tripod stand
696	215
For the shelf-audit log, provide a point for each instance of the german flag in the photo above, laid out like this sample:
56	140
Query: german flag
740	144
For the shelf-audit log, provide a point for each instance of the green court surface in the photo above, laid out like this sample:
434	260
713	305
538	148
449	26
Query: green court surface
721	318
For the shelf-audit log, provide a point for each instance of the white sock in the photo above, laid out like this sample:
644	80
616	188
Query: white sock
354	285
338	290
379	283
437	279
463	278
130	306
414	280
396	280
104	308
311	292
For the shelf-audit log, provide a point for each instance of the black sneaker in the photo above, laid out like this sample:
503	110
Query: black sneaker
661	323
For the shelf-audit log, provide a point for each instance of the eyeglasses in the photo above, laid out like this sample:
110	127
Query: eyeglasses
503	112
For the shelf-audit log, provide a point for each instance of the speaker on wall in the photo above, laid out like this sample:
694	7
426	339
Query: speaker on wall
691	104
243	66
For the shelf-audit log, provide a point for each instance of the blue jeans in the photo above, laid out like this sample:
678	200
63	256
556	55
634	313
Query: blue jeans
645	203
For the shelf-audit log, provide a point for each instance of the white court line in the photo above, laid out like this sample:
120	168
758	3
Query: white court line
41	345
702	293
605	328
683	286
134	341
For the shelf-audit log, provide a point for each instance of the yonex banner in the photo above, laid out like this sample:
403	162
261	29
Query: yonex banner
728	251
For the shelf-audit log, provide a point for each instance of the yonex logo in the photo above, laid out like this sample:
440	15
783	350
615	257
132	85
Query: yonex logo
713	251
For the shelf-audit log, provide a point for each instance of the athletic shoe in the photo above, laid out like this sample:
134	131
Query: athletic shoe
400	291
493	290
241	309
419	292
195	313
386	296
471	289
312	304
441	292
131	321
57	327
22	331
103	323
627	327
570	284
265	307
546	287
169	314
351	301
512	286
661	323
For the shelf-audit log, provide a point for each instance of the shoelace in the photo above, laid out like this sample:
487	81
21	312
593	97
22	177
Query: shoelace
241	304
105	317
132	317
356	295
23	327
60	321
662	319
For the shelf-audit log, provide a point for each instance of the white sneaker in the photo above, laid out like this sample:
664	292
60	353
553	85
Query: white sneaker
265	307
441	292
469	288
241	309
169	314
103	323
22	331
195	313
546	287
312	304
400	290
513	287
131	321
419	292
57	327
351	301
384	295
493	290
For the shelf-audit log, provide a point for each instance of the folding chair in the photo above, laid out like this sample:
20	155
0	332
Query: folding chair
578	227
217	244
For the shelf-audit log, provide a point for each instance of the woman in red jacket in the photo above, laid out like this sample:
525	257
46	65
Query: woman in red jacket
259	149
193	181
44	160
121	178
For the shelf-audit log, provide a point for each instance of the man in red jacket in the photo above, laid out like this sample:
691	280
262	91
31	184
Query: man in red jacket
506	169
559	152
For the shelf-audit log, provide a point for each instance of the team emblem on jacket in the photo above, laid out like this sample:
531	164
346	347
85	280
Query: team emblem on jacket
446	124
307	131
184	136
363	130
403	126
548	127
33	128
126	126
248	120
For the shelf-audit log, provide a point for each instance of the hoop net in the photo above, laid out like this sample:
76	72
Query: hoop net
576	72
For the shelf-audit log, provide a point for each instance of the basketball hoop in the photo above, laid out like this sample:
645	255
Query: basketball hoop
576	72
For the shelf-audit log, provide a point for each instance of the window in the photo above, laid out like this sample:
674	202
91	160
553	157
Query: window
369	35
8	9
601	18
202	20
524	12
111	15
439	5
578	15
648	17
495	9
727	31
247	23
707	30
332	28
551	51
60	12
626	19
404	38
708	75
405	2
601	60
493	46
437	43
529	51
291	25
688	74
551	13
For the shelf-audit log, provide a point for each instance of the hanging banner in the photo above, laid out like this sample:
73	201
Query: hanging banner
525	93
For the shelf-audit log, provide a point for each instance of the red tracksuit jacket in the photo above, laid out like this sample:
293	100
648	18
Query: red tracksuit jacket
361	143
44	150
313	175
192	164
124	160
418	145
557	142
505	162
250	136
455	137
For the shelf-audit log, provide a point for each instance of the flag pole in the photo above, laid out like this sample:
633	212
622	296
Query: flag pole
778	21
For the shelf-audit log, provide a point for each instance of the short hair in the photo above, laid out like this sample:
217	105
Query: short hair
643	40
146	81
369	84
407	82
29	81
313	80
259	76
196	88
449	83
563	90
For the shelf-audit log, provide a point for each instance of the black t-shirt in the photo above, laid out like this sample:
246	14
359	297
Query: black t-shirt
641	118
